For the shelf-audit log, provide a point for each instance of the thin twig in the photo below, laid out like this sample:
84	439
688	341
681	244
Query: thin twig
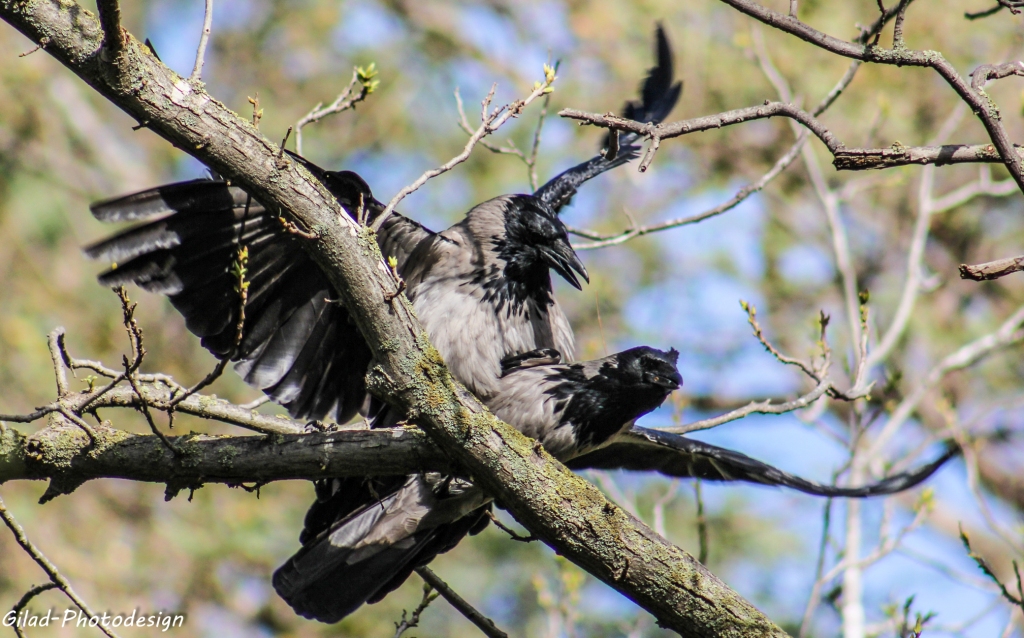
807	369
25	600
197	70
984	567
511	532
56	357
755	407
489	123
51	570
815	597
992	269
413	620
702	524
364	77
483	623
983	14
110	21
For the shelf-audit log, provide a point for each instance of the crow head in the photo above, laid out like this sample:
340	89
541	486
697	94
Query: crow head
650	369
535	240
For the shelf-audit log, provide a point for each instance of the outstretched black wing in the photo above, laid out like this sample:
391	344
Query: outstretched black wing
658	95
644	449
298	344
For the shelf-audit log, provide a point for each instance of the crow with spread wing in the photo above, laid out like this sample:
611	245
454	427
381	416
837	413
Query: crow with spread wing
362	540
482	288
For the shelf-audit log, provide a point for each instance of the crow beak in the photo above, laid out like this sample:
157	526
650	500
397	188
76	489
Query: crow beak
670	383
562	258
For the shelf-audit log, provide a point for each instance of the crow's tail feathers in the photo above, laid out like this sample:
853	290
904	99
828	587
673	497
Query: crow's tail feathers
370	549
658	96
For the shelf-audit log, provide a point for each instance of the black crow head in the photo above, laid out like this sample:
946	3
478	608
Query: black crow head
348	188
650	368
535	237
603	399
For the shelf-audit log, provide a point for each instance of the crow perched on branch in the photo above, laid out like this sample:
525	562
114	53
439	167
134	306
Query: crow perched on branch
482	288
362	539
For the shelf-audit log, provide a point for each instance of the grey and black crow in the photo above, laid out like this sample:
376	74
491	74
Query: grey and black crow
481	288
362	539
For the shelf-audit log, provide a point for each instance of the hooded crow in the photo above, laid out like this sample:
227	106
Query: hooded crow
362	539
482	288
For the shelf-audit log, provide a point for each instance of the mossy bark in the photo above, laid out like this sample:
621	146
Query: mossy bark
566	511
63	454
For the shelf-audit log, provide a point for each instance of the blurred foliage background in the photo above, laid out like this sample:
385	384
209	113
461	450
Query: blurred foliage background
123	547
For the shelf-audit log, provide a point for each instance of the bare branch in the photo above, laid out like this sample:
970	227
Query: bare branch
110	22
755	407
508	530
197	70
54	342
483	623
489	124
363	77
981	75
51	570
671	130
62	454
980	104
860	159
992	269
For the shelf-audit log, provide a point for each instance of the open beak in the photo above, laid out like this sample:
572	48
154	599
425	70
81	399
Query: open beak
562	258
670	383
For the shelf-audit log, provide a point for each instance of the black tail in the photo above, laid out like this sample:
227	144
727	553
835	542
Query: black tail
298	344
363	539
658	96
644	449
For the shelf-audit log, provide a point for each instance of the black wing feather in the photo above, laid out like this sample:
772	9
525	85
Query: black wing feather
644	449
297	347
658	96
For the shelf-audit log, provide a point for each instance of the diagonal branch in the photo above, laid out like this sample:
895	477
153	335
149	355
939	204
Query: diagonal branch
51	570
979	102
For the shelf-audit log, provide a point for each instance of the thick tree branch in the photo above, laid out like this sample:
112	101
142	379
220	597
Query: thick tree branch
899	55
1001	150
564	510
859	159
64	455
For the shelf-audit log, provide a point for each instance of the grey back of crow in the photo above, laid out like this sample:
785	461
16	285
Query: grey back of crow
482	288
